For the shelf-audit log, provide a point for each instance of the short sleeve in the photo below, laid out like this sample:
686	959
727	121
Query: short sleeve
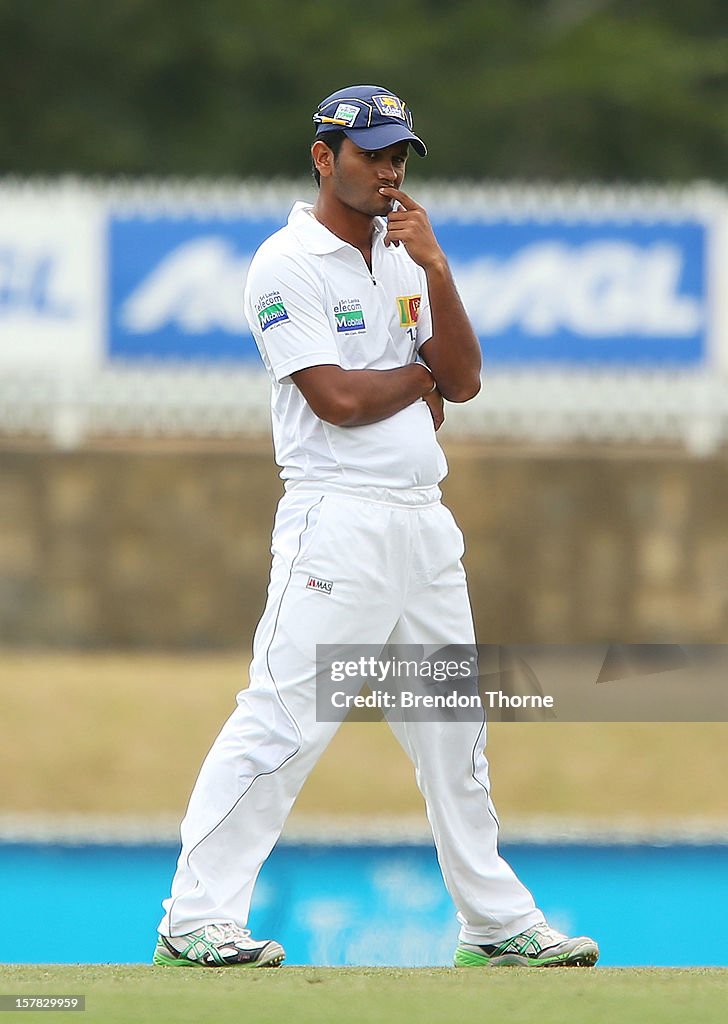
424	317
285	308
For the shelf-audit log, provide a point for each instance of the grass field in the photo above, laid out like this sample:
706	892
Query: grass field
105	733
108	733
304	995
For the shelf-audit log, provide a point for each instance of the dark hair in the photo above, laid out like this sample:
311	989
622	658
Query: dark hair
334	141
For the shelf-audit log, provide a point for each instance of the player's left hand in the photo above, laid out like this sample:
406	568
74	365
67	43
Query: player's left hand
411	226
436	405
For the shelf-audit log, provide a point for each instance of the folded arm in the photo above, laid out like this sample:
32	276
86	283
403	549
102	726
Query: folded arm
353	398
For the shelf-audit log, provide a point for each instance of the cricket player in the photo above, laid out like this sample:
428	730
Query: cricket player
364	336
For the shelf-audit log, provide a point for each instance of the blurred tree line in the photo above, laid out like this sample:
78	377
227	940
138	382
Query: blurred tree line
530	89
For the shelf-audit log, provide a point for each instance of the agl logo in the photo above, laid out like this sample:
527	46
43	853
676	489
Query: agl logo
197	287
29	283
603	288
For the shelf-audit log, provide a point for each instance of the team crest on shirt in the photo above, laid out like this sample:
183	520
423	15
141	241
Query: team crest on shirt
390	106
409	309
349	316
270	310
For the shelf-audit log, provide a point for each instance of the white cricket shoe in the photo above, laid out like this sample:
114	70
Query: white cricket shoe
217	945
540	946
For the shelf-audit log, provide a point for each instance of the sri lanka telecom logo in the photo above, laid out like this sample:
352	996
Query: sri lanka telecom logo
349	316
270	310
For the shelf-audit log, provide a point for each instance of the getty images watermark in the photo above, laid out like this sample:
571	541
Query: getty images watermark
548	682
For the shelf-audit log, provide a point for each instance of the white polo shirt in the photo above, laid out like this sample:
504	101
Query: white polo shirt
310	300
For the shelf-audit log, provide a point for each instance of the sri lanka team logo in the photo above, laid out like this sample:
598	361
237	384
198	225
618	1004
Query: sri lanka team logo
349	316
409	309
390	105
270	310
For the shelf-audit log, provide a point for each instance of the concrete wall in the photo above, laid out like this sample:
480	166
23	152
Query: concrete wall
169	547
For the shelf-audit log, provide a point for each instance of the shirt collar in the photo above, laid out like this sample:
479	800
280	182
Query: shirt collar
316	238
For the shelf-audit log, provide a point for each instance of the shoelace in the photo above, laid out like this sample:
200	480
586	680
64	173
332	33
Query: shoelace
221	934
549	933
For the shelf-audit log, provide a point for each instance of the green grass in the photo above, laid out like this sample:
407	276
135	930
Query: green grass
304	995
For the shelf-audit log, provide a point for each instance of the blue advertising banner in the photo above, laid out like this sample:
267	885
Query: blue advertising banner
591	292
595	292
176	287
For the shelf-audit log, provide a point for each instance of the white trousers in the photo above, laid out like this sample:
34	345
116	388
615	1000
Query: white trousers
394	561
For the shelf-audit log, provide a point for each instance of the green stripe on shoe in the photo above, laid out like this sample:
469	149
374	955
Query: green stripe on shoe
467	958
165	960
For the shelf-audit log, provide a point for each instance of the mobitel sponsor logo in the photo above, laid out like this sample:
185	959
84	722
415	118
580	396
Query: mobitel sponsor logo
349	316
272	314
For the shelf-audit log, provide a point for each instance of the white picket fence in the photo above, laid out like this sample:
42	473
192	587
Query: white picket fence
551	407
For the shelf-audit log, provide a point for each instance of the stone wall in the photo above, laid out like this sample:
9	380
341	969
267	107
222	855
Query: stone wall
168	546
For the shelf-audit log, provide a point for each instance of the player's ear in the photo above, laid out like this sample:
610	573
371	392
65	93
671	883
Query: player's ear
323	158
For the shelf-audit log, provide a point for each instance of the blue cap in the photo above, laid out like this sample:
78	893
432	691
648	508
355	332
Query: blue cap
369	115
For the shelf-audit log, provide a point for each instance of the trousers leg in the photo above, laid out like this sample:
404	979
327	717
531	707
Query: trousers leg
266	749
448	756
